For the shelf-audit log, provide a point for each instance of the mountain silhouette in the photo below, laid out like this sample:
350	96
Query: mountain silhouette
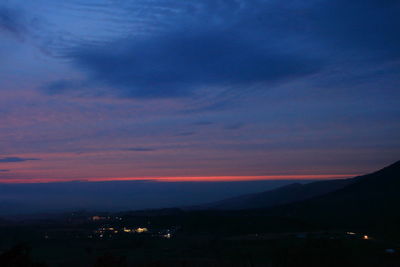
283	195
371	200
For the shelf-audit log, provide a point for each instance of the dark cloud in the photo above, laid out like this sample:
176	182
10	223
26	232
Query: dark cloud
238	52
4	170
236	46
368	28
11	22
15	159
203	123
186	134
177	65
234	126
63	86
140	149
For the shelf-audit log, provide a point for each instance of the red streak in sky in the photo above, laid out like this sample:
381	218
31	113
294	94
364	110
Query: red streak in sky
186	179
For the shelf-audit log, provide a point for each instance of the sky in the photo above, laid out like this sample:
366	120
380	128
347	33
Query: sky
199	90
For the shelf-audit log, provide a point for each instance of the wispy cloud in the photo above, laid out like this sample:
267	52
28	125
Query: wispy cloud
207	44
15	159
181	63
140	149
186	134
203	123
234	126
11	22
63	87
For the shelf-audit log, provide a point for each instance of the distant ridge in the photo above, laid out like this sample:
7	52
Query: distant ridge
378	191
283	195
367	203
372	200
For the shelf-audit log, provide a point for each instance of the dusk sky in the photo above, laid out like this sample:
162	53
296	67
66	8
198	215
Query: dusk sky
189	90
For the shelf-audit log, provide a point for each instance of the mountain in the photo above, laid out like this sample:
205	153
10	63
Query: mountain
282	195
370	201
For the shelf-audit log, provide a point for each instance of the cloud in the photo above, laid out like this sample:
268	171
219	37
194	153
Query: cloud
234	126
203	123
140	149
63	86
368	28
208	50
15	159
11	22
178	65
186	134
232	45
4	170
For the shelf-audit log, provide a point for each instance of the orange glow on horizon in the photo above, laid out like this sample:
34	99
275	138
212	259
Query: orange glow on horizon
183	179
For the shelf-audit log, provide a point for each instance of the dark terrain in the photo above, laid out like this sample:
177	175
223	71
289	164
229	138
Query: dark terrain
351	222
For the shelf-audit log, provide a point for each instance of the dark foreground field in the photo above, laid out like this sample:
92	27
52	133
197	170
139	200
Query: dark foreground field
190	239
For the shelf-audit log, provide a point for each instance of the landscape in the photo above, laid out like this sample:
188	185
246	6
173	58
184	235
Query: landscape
293	225
221	133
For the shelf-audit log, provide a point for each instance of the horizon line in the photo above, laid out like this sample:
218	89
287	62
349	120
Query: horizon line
242	178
